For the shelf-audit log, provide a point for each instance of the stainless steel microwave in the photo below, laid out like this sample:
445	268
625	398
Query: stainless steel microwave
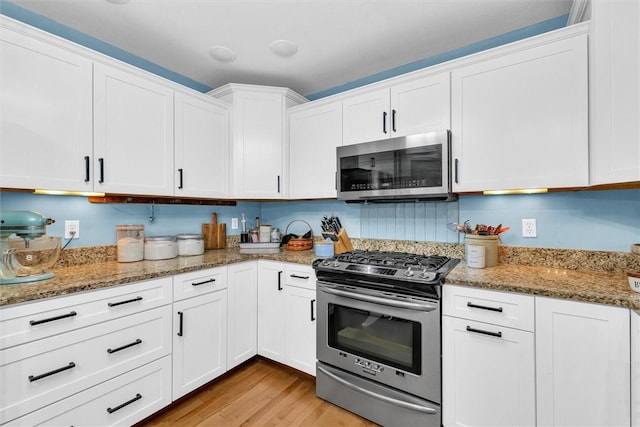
408	168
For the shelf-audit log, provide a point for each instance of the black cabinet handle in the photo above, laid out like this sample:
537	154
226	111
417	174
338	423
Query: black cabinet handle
33	378
455	173
481	331
393	120
484	307
51	319
278	183
384	122
279	280
295	276
202	283
180	174
114	304
313	316
115	350
128	402
181	316
101	163
86	168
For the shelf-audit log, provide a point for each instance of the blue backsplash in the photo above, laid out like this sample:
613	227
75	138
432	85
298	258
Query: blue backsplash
590	220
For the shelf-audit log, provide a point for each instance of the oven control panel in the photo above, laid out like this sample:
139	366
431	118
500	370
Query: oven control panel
368	365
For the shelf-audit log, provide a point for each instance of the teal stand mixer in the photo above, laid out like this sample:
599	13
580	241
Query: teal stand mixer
27	253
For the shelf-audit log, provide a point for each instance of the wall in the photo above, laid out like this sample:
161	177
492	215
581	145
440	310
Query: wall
590	220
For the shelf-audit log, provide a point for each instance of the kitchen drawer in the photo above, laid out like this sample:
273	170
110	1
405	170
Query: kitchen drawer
301	276
103	404
42	372
200	282
498	308
28	322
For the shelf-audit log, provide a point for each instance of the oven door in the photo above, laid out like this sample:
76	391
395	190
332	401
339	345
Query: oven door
395	342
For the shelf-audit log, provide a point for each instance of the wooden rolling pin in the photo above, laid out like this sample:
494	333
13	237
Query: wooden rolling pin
214	234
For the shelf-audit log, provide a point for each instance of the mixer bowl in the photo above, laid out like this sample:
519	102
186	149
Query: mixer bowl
42	254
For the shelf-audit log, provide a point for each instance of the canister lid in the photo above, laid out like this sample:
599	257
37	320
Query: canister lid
129	227
189	236
160	238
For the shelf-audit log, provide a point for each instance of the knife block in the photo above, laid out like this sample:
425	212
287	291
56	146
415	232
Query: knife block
343	244
214	234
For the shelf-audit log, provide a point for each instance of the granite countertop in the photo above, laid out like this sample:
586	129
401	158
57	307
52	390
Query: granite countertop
579	285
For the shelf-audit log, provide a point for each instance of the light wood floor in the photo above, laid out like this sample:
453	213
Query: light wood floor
260	393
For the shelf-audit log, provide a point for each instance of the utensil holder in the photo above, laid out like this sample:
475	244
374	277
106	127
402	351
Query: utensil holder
344	242
299	243
490	243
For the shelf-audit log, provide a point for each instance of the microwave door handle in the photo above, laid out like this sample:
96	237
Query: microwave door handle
377	300
374	395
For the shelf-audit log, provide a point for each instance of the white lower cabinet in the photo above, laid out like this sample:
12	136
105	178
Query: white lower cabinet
488	368
583	364
242	318
286	314
199	337
123	400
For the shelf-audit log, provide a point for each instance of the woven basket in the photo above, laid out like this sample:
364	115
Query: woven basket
299	243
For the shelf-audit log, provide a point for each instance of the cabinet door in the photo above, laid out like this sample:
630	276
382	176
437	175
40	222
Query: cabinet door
201	148
257	145
45	115
199	341
635	368
487	380
366	117
314	135
300	322
615	91
421	105
133	133
520	120
271	303
582	359
242	336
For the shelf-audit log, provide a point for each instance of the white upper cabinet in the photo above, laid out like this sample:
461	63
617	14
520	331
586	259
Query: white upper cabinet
314	135
201	147
414	106
45	115
615	91
519	115
133	133
259	147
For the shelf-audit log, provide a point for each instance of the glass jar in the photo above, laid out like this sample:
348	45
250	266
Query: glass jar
160	247
130	242
190	244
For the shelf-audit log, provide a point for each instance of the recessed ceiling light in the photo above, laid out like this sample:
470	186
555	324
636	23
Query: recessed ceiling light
222	54
283	48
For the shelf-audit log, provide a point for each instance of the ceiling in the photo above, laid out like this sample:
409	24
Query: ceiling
338	41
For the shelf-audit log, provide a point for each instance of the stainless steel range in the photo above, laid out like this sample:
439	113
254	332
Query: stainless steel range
378	336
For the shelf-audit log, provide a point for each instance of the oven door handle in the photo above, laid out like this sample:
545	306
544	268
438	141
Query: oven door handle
378	300
374	395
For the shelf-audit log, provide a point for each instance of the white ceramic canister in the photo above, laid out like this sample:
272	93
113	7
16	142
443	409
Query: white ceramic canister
475	256
265	233
490	244
160	247
190	244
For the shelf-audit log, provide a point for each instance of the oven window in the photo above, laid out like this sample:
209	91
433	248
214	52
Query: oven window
378	337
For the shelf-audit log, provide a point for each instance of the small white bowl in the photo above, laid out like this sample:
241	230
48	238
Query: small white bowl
634	280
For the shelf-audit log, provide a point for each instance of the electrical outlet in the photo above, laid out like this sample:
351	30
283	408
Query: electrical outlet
234	223
529	228
71	229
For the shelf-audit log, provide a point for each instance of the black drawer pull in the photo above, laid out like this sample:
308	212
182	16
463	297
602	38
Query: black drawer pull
181	315
295	276
51	319
480	331
393	120
202	283
33	378
114	350
128	402
313	316
279	280
114	304
384	122
484	307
